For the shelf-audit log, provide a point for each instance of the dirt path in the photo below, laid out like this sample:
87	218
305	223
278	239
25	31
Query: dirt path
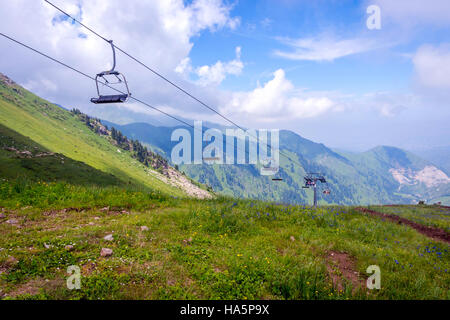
431	232
341	266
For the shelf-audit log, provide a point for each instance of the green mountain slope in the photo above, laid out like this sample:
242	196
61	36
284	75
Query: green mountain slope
59	131
370	177
20	157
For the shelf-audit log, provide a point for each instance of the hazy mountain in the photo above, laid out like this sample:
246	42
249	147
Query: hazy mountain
440	156
381	175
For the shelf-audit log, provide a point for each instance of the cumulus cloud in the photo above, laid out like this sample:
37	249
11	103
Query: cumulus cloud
277	99
325	48
432	66
216	73
213	74
158	33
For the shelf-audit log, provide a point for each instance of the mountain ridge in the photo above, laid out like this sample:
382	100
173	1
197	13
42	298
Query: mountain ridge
372	166
60	131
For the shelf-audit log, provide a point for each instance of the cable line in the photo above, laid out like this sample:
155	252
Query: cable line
166	79
93	79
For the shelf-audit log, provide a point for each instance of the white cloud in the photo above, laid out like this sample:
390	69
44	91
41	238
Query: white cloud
325	48
158	33
432	66
415	12
216	73
387	104
277	99
184	67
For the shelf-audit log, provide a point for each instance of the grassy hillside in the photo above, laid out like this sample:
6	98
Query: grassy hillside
167	248
67	194
59	131
363	178
22	158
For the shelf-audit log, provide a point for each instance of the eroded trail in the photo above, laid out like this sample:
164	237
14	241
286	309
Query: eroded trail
431	232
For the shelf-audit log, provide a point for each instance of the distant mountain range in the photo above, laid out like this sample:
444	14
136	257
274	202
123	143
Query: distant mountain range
440	156
381	175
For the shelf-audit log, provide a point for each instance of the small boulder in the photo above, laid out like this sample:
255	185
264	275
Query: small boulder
144	228
12	221
106	252
2	215
292	238
69	247
104	209
108	237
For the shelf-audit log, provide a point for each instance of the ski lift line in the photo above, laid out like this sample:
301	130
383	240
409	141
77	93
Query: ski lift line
93	79
164	78
145	66
79	22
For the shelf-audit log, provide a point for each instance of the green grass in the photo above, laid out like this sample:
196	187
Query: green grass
214	249
59	131
43	165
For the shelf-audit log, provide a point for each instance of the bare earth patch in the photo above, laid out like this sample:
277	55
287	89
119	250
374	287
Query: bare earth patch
341	267
431	232
33	287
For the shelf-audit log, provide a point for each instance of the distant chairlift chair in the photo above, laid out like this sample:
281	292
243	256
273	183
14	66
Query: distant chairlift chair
115	98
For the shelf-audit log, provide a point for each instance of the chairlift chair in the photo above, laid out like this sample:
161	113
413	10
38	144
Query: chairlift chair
114	98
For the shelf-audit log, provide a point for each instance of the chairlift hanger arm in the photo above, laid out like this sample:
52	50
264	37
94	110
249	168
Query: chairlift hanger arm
114	62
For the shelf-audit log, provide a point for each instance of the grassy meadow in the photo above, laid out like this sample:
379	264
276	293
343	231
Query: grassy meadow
166	247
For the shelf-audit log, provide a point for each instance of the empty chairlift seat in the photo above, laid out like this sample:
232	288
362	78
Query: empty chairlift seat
113	98
118	98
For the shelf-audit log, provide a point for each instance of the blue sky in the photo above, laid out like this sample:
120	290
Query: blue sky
309	66
388	67
263	24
